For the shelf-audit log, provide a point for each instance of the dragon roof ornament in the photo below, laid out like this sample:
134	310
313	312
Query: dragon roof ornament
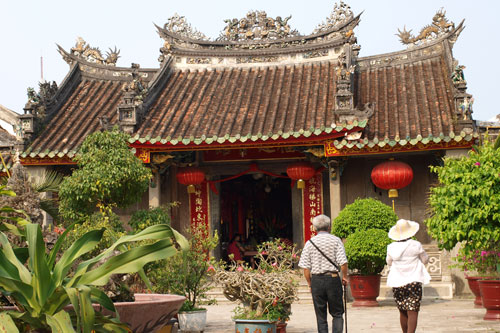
179	25
90	54
341	13
257	26
439	27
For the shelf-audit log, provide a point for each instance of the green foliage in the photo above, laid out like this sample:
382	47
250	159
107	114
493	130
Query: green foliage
108	174
465	205
144	218
42	286
363	214
366	251
187	273
107	221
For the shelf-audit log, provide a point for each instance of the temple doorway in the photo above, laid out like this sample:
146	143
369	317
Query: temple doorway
258	207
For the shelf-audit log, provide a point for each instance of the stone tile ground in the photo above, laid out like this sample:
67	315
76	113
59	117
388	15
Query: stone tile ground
440	316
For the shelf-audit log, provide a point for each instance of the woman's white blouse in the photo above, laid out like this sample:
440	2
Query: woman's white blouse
407	261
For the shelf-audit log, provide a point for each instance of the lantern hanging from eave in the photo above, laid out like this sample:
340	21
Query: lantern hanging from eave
190	176
300	171
392	175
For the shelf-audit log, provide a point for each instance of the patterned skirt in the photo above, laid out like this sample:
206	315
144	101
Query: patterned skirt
408	297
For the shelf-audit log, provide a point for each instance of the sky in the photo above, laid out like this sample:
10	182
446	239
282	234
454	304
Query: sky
30	30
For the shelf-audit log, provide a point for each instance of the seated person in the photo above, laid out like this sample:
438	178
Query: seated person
236	249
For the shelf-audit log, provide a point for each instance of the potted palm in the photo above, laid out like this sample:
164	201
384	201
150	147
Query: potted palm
187	274
364	224
266	293
465	210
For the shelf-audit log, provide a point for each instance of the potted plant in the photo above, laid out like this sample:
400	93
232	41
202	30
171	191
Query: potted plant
265	293
42	285
465	208
366	252
364	224
187	274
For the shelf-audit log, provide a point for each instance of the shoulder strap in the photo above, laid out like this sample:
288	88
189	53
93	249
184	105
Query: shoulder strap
324	255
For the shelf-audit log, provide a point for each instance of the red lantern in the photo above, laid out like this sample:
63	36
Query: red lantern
392	175
190	176
300	172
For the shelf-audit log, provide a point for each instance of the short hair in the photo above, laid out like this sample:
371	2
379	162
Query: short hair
321	223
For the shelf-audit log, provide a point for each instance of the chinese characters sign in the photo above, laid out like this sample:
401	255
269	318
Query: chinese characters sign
312	203
198	205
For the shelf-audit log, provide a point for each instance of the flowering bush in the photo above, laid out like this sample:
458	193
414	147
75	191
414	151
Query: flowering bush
478	262
267	291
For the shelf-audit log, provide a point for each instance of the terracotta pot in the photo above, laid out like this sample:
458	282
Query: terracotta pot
281	327
473	282
365	289
490	293
149	312
254	325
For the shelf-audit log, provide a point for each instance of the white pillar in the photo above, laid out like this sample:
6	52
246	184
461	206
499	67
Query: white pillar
334	181
154	190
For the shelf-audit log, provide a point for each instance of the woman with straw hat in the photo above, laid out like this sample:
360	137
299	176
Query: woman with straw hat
407	273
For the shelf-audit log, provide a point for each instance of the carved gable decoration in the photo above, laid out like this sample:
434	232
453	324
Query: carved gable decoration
179	25
84	51
439	27
341	13
257	26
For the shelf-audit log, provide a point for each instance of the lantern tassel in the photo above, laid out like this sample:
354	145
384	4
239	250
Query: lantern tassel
301	184
191	188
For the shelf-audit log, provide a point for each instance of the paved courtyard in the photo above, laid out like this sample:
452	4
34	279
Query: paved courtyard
451	316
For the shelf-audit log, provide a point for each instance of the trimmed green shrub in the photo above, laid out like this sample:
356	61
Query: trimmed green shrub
366	251
363	214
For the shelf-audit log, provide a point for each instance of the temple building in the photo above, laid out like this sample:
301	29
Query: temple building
260	99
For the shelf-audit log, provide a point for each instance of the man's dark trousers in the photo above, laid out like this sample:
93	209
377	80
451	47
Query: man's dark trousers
327	293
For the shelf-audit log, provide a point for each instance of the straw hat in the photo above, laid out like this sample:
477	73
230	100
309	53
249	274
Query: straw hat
403	229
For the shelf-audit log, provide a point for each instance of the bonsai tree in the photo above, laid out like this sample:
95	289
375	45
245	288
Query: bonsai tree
267	291
363	214
367	250
465	206
108	175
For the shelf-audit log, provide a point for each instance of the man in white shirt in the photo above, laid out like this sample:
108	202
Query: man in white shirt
322	276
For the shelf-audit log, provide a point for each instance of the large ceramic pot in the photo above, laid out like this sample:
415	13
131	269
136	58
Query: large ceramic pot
473	282
254	325
150	312
192	320
365	289
490	293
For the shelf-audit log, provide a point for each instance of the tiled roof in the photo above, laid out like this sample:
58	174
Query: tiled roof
240	104
413	103
77	118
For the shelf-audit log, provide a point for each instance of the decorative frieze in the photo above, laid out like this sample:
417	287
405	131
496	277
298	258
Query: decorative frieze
251	60
341	13
199	61
315	54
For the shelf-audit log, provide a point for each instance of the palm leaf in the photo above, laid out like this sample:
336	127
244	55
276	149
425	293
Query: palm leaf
49	182
7	325
42	282
60	322
50	207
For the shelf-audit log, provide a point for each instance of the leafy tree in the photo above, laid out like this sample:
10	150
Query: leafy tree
108	174
465	205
